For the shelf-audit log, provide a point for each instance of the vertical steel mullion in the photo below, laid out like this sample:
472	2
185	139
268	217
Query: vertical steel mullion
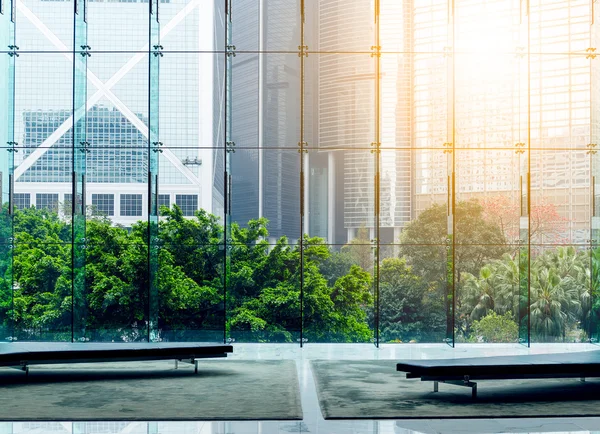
153	149
528	175
377	168
301	151
227	161
79	149
451	165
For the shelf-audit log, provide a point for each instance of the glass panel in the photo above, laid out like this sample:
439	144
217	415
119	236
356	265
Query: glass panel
560	290
338	290
43	168
340	26
190	278
153	139
44	26
560	102
413	270
593	321
560	236
264	252
559	27
117	172
487	269
80	149
192	188
116	283
265	26
560	198
191	25
42	281
119	26
7	72
43	127
433	107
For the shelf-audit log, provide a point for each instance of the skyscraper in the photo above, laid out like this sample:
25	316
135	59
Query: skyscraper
190	166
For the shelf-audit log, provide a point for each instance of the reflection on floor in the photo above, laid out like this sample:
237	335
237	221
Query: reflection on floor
313	420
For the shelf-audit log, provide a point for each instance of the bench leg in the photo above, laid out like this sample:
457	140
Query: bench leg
195	366
176	364
582	379
465	383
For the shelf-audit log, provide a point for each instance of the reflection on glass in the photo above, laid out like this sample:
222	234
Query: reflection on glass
151	158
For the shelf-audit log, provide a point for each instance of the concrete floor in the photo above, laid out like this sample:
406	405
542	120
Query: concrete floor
313	420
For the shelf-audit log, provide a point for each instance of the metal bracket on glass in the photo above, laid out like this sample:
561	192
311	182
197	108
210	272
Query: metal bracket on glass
520	52
591	53
447	147
12	147
447	51
11	339
303	340
12	51
230	340
376	50
377	145
85	51
520	147
84	147
230	51
156	146
302	50
302	146
591	149
158	50
229	147
187	161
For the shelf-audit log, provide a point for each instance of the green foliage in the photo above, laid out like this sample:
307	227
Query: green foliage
424	240
496	328
403	304
263	282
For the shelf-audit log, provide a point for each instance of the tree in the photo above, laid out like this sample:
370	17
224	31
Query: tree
361	249
477	241
552	304
496	328
546	223
404	313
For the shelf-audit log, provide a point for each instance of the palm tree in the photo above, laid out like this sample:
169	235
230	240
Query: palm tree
553	303
573	268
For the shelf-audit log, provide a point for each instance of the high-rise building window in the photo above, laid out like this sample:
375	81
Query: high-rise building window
22	200
164	199
46	201
103	204
131	204
187	202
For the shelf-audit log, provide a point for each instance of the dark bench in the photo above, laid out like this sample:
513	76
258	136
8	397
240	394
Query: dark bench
22	355
462	372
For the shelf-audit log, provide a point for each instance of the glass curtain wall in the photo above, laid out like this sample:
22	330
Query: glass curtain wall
299	171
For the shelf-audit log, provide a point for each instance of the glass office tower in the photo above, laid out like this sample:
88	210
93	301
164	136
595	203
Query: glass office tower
299	171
